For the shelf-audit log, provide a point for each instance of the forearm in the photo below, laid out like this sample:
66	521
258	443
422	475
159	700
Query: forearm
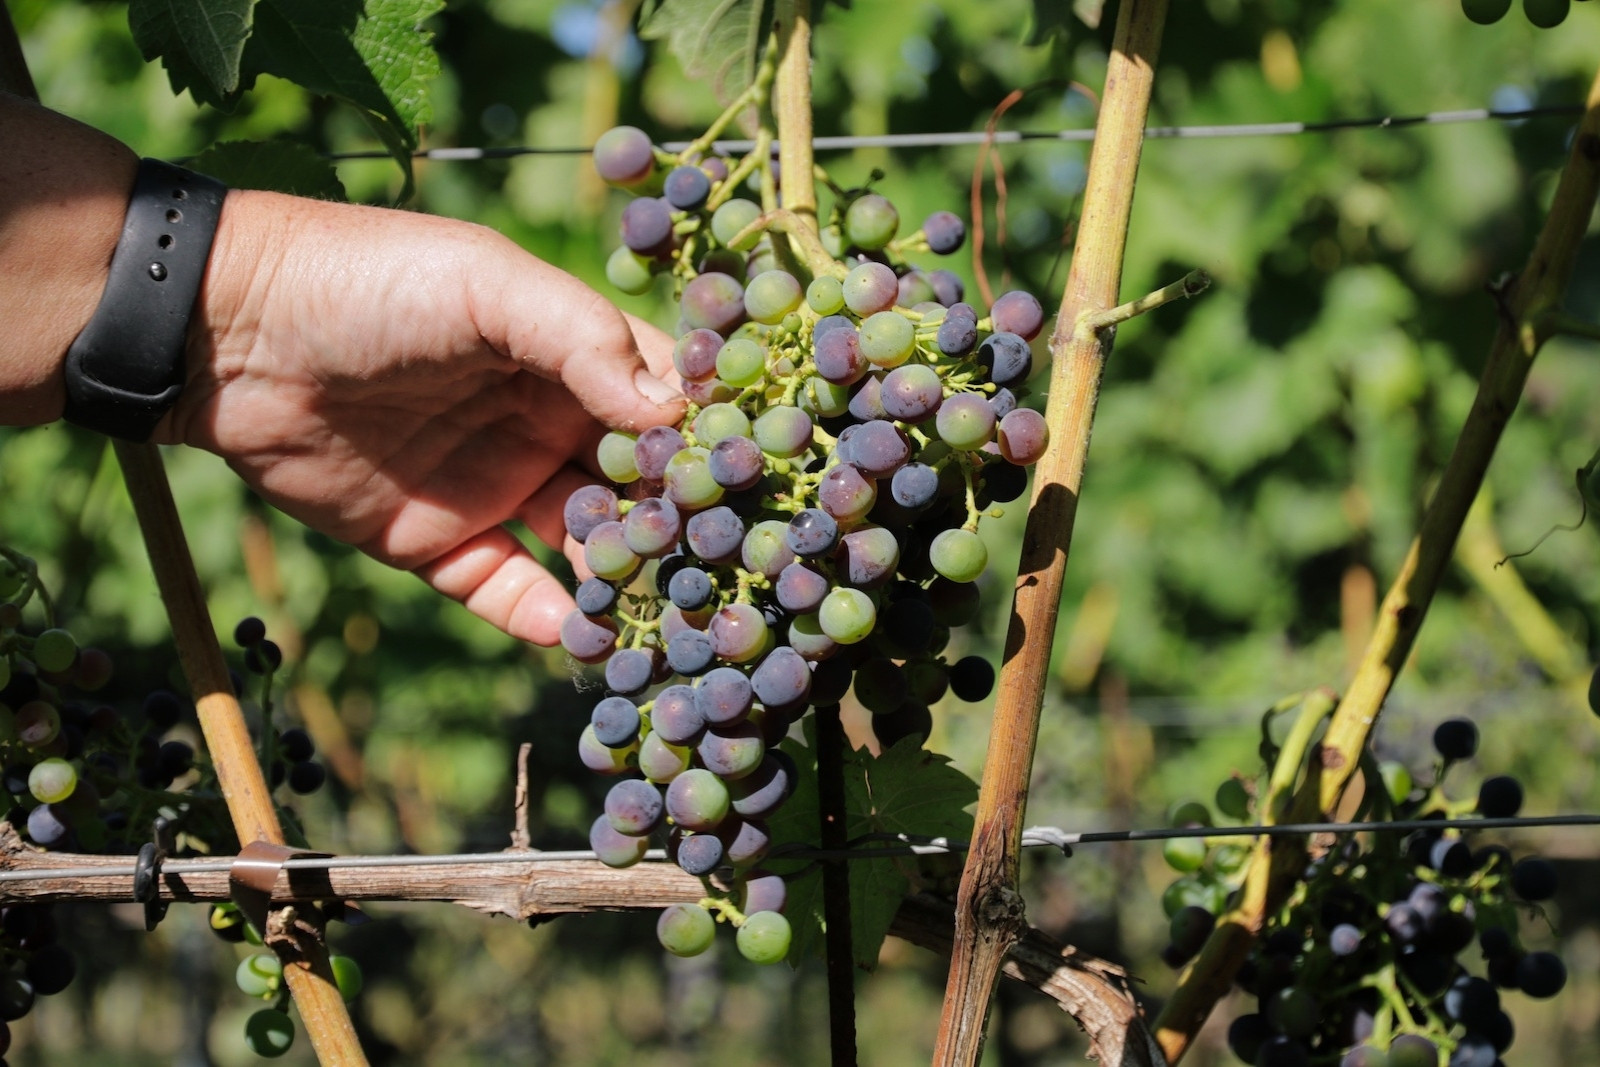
63	194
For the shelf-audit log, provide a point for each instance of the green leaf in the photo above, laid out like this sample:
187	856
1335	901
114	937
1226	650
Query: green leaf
278	166
200	42
905	790
715	39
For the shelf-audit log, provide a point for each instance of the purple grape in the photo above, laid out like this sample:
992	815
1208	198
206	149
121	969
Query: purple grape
914	486
675	715
800	588
1344	940
634	807
716	167
1002	482
744	841
911	393
782	679
654	449
699	854
905	628
1499	797
866	403
827	324
695	356
1023	436
880	685
845	494
651	527
588	507
686	188
690	589
957	335
812	533
953	603
48	825
731	752
713	302
647	226
945	232
630	670
624	156
1534	879
612	848
1019	313
736	463
1007	358
738	632
867	556
596	596
760	793
870	288
914	289
1456	739
947	287
837	355
911	719
616	722
715	535
588	640
690	652
761	891
723	697
878	449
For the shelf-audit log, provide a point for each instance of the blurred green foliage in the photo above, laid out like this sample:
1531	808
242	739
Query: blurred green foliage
1258	466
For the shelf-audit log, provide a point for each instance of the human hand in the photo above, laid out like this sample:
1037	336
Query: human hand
407	383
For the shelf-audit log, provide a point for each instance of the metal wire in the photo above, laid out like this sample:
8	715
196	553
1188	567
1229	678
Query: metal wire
956	138
906	845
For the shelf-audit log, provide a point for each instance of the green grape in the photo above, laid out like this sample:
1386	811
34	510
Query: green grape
782	432
717	421
5	671
347	976
730	218
741	362
965	422
1485	12
1233	799
616	457
1190	813
697	800
10	578
771	295
55	650
260	975
959	555
1396	780
847	615
269	1033
37	723
688	482
629	271
825	294
1184	854
871	221
52	780
824	398
888	338
1546	13
764	937
686	929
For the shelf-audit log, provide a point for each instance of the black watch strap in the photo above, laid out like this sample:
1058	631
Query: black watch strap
126	368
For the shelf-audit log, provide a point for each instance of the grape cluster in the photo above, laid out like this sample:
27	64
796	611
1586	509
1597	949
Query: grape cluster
1372	962
1542	13
78	773
269	1032
810	526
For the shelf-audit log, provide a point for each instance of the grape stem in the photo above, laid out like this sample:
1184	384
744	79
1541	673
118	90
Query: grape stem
30	585
754	95
1191	284
783	220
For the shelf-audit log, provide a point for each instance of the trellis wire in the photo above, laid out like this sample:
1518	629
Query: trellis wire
956	138
912	845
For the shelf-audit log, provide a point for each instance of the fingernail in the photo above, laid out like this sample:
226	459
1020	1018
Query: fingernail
654	389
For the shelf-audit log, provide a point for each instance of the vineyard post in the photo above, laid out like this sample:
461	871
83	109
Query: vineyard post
1530	314
297	941
989	910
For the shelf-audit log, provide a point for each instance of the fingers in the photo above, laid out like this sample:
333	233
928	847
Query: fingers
543	511
655	345
557	327
496	579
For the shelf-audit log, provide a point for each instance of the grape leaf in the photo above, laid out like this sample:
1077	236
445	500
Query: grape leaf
201	43
279	166
905	790
377	58
715	39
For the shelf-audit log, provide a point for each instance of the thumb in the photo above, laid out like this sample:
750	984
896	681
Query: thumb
557	327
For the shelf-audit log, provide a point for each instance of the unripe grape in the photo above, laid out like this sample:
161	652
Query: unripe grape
871	221
269	1033
764	937
55	650
686	929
